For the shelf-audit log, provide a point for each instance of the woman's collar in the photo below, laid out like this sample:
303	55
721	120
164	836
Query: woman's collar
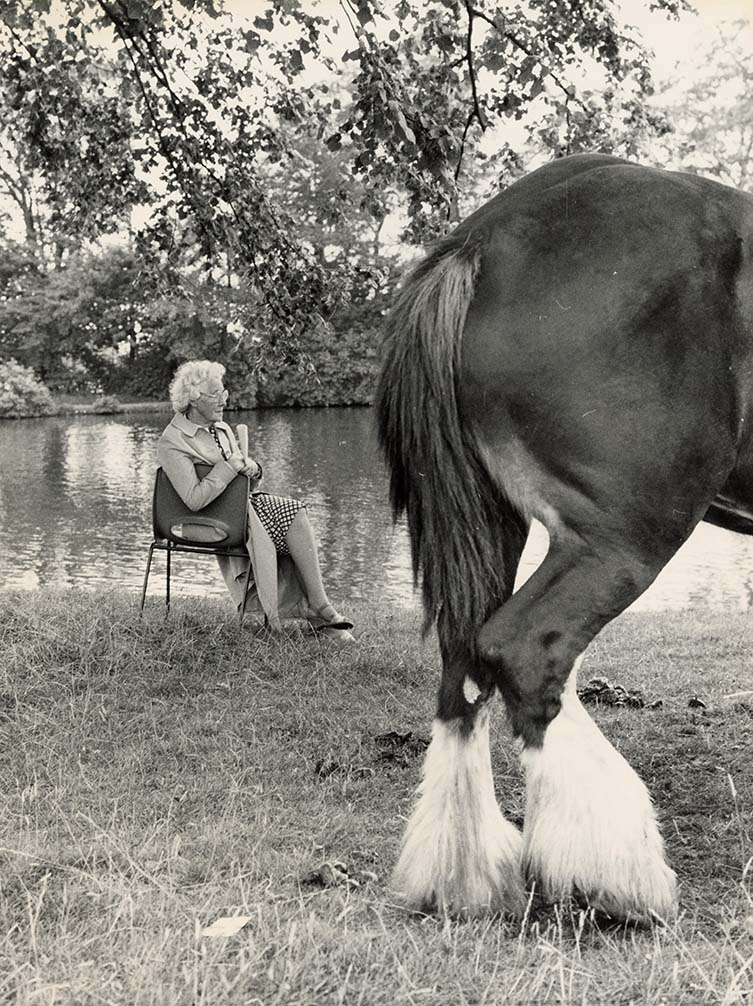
189	427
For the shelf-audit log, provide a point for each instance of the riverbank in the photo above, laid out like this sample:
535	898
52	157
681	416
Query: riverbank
161	775
75	407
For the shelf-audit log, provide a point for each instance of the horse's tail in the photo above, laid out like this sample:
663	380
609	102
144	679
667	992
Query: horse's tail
465	535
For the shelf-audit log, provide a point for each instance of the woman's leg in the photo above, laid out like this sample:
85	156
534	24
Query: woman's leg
302	543
304	553
302	546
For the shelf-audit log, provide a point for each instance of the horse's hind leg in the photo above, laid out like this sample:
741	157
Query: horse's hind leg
590	823
590	827
460	855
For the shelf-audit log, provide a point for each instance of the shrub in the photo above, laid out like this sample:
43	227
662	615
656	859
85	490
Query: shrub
21	393
106	403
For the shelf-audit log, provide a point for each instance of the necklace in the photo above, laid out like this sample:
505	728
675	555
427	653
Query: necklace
213	431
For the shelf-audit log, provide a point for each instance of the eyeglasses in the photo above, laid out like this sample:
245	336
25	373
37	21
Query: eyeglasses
217	396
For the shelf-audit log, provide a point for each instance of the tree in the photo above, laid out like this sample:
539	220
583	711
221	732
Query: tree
65	134
336	213
116	103
58	322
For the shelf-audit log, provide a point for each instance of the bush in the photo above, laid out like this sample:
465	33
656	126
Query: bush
21	393
68	375
106	403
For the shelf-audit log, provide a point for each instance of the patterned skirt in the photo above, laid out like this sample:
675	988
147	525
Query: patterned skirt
276	514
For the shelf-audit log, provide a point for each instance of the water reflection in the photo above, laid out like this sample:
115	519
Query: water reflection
75	510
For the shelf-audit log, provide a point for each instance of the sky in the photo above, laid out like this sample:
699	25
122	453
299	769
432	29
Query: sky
676	44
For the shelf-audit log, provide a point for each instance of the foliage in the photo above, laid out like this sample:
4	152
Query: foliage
52	320
106	404
336	213
21	394
69	323
713	117
339	368
63	109
147	376
339	363
109	105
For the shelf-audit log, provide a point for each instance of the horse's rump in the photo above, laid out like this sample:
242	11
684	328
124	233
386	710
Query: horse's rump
608	344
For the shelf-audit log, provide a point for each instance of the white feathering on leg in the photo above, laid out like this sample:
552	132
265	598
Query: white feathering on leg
471	690
459	854
590	825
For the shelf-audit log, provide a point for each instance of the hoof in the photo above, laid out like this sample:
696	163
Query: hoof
492	885
642	892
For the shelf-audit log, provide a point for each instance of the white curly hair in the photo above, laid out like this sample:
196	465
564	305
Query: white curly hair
190	379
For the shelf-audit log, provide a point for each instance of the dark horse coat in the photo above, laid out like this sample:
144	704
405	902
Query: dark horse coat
580	351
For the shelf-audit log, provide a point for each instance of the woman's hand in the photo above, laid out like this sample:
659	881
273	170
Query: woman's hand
244	466
237	462
252	469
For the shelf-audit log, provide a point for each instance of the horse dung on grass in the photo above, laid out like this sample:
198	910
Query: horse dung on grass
580	351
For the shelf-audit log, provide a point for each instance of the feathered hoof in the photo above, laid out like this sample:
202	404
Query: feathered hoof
460	855
590	830
490	882
641	892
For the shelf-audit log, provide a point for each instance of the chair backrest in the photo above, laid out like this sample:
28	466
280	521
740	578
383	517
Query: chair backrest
220	526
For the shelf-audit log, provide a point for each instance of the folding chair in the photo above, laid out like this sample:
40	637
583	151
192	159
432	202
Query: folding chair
220	528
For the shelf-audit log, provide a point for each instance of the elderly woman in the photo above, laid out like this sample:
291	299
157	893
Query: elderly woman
279	526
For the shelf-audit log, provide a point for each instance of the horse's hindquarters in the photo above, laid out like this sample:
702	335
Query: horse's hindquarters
578	351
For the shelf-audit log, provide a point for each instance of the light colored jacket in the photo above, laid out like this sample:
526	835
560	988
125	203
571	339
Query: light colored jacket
278	590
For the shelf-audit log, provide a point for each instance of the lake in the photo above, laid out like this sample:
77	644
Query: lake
75	511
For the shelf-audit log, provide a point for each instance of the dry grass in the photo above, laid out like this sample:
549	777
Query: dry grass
156	777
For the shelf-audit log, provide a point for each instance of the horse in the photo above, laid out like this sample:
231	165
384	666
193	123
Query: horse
578	351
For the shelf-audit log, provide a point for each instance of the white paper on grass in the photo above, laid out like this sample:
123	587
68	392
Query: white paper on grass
227	925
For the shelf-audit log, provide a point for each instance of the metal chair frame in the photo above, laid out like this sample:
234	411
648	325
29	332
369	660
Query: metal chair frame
222	515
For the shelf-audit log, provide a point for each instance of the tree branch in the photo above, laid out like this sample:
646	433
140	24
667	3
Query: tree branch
468	123
529	52
477	110
347	11
12	187
267	283
126	38
159	71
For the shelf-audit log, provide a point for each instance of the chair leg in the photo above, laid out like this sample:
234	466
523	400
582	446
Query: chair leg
167	584
146	577
245	595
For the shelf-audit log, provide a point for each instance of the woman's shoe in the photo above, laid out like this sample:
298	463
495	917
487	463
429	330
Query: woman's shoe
328	618
340	637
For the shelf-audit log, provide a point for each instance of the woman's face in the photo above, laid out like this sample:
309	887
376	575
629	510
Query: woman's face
210	403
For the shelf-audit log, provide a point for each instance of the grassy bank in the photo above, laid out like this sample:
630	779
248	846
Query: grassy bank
158	776
74	405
